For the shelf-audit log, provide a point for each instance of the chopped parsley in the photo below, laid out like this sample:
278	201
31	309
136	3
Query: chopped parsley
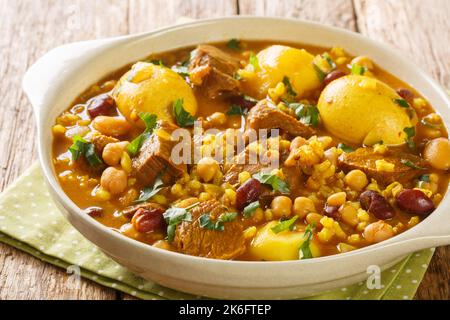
253	60
330	61
424	178
345	147
250	209
81	147
287	84
236	110
234	44
320	74
148	192
285	225
410	133
150	124
182	117
206	223
306	113
411	164
305	251
228	216
358	70
402	103
274	181
158	62
174	216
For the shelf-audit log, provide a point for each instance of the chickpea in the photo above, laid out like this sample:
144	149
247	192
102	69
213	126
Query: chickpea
281	206
378	231
337	199
363	61
349	215
114	180
314	218
437	153
331	155
111	126
303	206
356	179
113	152
207	168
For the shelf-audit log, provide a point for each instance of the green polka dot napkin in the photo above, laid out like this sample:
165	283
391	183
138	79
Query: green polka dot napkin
30	221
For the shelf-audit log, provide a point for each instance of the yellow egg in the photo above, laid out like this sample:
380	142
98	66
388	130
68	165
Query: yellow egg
152	88
277	62
360	109
271	246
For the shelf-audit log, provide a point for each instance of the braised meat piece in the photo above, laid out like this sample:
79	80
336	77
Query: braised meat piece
154	158
267	116
213	70
100	141
191	238
406	166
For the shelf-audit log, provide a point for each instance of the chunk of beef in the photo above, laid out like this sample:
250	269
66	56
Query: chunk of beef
100	141
405	165
267	116
131	210
214	69
154	158
194	240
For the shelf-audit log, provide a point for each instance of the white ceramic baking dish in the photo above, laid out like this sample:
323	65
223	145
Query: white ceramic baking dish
56	79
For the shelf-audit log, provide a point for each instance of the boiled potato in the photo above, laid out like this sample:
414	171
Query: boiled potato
359	109
276	62
151	88
271	246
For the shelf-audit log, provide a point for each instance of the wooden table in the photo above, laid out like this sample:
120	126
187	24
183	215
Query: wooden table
29	28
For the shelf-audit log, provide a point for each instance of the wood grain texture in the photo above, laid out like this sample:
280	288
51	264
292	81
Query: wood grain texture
419	28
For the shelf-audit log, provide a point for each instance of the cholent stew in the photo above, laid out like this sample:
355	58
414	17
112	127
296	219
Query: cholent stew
346	154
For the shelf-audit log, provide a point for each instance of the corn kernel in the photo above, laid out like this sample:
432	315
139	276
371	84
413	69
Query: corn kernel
354	238
231	195
83	123
249	233
363	216
361	226
131	182
338	52
279	173
194	184
343	247
413	221
325	235
419	103
176	189
327	222
383	165
125	162
258	216
160	199
338	230
204	196
341	61
268	214
59	130
102	194
163	134
380	148
337	199
244	176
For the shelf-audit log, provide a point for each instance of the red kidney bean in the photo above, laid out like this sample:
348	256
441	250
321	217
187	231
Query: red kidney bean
243	102
146	220
101	105
333	75
247	193
94	212
414	202
331	211
406	94
376	204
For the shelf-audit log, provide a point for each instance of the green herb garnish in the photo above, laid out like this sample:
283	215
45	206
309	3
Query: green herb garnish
250	209
358	70
411	164
410	133
234	44
320	74
306	113
285	225
402	103
236	110
182	117
345	147
425	178
174	216
150	124
287	84
253	60
206	223
228	216
148	192
305	251
158	62
330	61
81	147
273	180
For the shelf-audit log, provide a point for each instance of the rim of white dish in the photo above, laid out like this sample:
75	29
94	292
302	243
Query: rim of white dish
68	203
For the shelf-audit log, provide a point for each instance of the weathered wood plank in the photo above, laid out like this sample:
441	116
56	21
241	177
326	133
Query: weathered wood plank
48	24
421	30
147	15
338	13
